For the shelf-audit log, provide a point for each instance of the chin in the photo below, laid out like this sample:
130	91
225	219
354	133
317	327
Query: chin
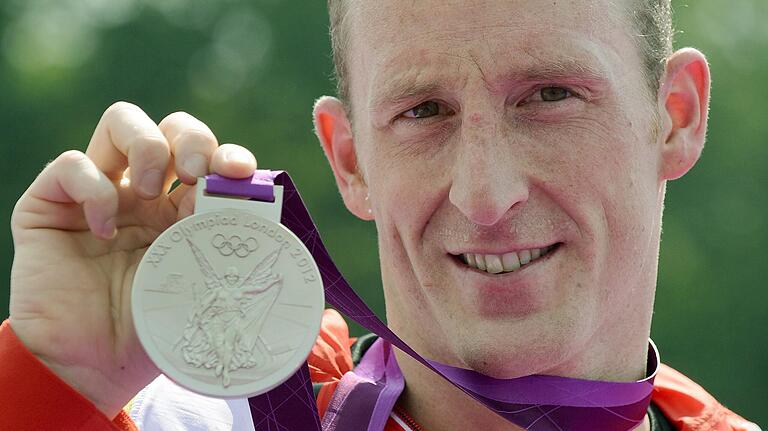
522	348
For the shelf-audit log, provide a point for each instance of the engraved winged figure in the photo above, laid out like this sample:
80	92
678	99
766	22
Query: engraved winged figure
228	307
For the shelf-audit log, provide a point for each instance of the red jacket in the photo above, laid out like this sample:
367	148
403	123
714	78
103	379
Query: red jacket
33	398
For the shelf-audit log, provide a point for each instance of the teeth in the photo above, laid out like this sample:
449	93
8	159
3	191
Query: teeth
480	259
511	261
495	264
525	256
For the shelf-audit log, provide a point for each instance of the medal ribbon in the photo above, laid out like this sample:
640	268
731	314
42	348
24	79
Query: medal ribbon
537	402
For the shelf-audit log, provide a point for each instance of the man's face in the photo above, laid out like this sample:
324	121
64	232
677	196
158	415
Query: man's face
487	128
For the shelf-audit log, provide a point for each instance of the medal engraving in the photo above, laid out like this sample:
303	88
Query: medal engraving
227	303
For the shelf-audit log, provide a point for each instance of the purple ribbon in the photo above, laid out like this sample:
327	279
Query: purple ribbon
364	398
537	403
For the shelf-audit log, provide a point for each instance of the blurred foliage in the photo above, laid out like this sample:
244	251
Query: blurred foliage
252	69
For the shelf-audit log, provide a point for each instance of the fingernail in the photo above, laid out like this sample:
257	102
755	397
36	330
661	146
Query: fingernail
151	182
195	165
109	230
238	157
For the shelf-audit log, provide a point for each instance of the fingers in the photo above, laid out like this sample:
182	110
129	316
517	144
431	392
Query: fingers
126	136
183	199
192	144
233	161
72	178
197	151
229	160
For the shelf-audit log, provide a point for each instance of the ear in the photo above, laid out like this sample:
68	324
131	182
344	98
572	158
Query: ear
684	105
334	131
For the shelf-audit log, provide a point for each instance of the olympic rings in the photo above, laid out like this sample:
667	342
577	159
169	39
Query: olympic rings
234	244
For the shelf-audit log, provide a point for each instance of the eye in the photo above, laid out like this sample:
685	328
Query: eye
549	95
554	94
426	109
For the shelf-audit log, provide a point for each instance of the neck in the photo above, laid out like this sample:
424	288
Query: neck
437	404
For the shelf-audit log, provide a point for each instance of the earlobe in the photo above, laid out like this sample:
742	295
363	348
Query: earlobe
334	131
684	106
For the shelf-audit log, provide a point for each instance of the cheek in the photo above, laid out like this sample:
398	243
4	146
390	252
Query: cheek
407	198
601	174
402	210
616	202
407	180
403	201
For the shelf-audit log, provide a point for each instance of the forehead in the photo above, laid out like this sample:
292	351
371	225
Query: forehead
469	15
396	39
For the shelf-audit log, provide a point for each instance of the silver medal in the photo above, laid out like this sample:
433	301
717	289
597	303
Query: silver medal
227	303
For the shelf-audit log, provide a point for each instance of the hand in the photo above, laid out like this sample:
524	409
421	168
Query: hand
79	233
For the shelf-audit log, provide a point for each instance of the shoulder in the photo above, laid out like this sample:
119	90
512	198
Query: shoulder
691	408
331	356
685	404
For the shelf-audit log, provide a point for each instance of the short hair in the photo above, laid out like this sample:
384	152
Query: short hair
653	31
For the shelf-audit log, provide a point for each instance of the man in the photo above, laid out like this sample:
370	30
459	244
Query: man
514	156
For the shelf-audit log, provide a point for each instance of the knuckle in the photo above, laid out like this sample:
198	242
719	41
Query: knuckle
148	146
175	117
200	139
105	194
120	106
70	158
74	155
16	217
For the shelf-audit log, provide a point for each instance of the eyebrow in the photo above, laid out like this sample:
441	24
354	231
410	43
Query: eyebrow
563	68
401	90
407	87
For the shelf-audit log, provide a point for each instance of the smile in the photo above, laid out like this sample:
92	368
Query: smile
507	262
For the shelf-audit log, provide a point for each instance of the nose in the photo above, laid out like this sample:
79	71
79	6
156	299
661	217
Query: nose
487	180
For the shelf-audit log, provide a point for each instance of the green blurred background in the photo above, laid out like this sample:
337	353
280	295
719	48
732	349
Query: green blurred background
252	69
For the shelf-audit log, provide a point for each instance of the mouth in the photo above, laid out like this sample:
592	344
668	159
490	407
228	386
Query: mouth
507	262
